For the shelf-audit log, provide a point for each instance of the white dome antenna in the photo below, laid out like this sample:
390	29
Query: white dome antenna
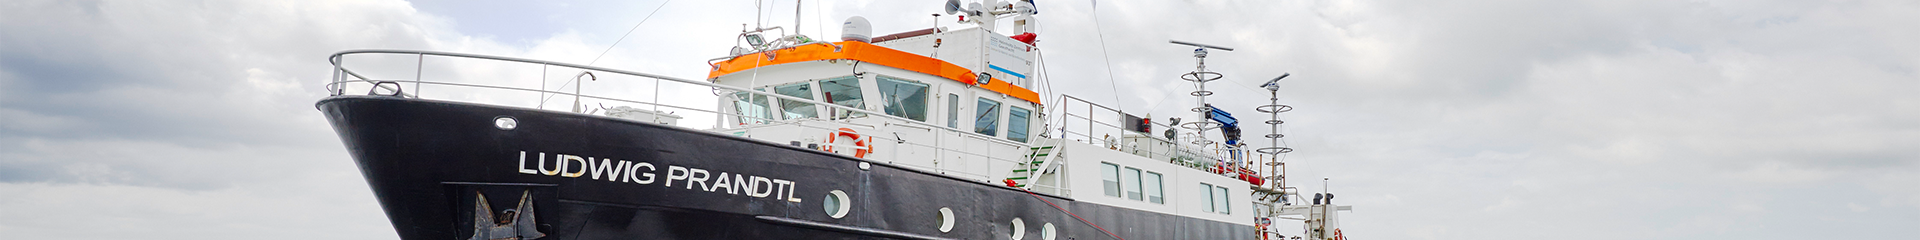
856	28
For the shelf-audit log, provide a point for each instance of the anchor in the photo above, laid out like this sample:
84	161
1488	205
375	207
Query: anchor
514	224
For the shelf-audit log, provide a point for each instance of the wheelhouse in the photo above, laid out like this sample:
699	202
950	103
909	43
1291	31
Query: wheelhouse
971	117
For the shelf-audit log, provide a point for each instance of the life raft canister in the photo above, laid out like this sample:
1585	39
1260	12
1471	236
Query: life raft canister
858	141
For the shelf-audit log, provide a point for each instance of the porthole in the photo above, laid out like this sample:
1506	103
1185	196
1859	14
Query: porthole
1046	231
946	219
1019	229
505	123
836	204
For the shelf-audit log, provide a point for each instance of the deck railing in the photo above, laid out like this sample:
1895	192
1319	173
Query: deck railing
1080	120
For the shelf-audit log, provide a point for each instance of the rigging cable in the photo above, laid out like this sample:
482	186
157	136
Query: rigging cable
1042	54
818	20
1163	99
636	26
1069	213
1047	81
616	42
1107	59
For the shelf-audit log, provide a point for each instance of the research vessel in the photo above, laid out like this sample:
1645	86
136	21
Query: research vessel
927	134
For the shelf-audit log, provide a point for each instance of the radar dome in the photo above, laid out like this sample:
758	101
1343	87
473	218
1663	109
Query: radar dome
856	28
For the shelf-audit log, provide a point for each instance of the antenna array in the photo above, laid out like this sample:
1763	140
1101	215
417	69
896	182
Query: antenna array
1200	76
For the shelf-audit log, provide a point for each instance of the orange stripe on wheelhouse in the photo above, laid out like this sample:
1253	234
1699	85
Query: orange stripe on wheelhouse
866	52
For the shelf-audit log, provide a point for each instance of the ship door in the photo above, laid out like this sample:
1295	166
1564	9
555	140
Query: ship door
917	102
949	103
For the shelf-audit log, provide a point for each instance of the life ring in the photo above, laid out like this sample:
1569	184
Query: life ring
857	142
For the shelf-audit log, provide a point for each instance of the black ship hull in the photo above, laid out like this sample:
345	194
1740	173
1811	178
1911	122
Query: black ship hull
446	170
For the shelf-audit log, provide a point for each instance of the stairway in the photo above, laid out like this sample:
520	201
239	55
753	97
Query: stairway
1039	158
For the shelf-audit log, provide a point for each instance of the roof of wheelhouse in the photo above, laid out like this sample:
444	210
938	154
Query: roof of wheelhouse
868	53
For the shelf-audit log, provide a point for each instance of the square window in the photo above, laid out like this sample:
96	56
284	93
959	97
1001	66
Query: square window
1132	180
843	91
752	108
1226	207
791	109
1110	179
1151	181
1017	119
986	118
902	98
1206	192
1206	203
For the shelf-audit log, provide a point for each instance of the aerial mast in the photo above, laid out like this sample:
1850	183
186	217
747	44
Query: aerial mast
1200	76
1273	149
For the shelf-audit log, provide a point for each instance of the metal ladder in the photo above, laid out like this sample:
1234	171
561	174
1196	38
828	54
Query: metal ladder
1039	159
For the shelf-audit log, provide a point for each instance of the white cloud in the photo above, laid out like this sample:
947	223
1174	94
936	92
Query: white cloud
135	119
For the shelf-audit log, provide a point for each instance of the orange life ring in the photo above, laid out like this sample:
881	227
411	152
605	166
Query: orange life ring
857	141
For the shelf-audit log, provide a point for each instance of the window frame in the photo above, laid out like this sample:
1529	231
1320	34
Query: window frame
1225	200
859	97
887	102
1157	193
1207	206
785	112
1024	127
1116	190
747	115
953	110
1130	181
992	112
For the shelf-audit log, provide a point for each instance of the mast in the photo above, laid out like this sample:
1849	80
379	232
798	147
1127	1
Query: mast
1320	216
1200	76
1273	149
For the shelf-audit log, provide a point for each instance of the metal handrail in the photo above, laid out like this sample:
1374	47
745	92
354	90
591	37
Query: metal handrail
1174	150
562	93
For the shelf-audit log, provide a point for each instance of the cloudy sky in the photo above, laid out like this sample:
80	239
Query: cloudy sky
1572	119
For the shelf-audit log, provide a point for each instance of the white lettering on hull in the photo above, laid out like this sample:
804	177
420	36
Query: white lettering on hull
642	173
523	163
572	159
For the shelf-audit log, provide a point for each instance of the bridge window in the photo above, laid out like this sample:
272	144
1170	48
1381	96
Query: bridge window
1110	178
1017	123
843	91
1152	183
986	118
903	98
752	110
791	109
